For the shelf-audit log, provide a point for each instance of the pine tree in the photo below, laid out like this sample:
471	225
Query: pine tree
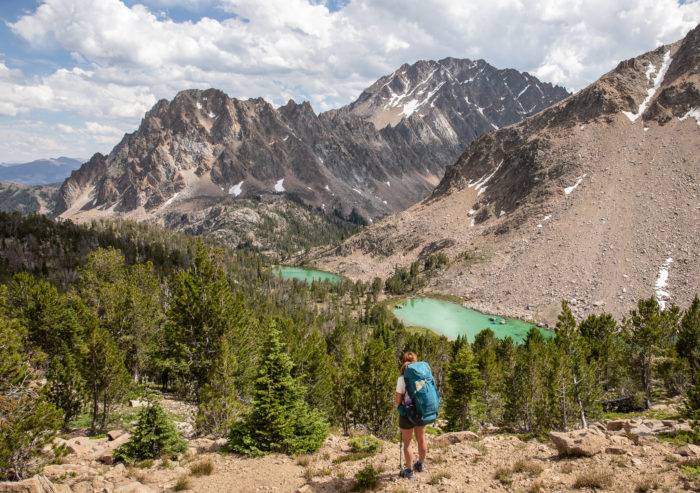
280	420
649	331
155	436
530	403
487	359
28	422
106	377
219	405
688	342
66	387
201	309
463	385
126	301
577	386
600	334
375	383
312	363
52	326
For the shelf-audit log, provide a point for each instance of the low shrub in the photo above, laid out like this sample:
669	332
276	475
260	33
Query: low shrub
366	478
595	479
202	468
365	443
183	483
529	467
503	476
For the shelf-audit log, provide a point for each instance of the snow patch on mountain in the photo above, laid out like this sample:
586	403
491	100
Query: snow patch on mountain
236	189
662	295
480	185
694	113
171	199
573	187
652	90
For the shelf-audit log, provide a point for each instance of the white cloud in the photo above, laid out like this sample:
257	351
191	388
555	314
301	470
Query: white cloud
128	57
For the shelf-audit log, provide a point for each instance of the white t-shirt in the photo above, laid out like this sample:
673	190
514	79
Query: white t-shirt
400	385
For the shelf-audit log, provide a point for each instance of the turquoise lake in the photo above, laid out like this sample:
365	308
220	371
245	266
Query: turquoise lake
305	275
451	320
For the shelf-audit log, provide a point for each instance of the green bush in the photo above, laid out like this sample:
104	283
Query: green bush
365	443
155	436
366	478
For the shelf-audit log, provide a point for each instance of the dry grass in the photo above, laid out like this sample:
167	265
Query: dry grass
436	477
536	487
529	467
503	476
303	460
183	483
202	468
567	468
136	474
646	485
311	473
594	478
480	447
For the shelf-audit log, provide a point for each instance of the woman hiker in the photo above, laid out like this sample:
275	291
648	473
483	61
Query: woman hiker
412	424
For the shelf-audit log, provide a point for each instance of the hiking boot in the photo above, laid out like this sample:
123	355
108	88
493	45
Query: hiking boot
418	466
406	473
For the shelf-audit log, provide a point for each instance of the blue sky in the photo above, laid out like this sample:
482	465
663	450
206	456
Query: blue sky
76	74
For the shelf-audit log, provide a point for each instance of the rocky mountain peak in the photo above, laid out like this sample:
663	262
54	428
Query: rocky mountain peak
203	143
455	90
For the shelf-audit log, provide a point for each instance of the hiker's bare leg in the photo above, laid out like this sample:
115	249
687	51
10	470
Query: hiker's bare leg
407	435
422	446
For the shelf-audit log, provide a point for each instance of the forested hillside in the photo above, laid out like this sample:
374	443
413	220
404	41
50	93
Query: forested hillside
122	310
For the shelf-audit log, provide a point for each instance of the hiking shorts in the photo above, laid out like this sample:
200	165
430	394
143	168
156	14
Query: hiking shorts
406	424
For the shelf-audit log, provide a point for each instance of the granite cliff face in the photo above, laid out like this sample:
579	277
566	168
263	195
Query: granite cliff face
594	199
378	155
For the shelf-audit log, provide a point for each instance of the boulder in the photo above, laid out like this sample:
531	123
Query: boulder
639	434
600	426
85	447
616	425
689	450
55	471
114	434
185	428
35	484
205	445
579	443
106	458
137	403
116	472
133	487
456	437
96	485
64	444
615	450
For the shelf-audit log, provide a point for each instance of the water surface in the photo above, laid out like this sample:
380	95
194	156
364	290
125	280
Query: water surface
451	320
305	275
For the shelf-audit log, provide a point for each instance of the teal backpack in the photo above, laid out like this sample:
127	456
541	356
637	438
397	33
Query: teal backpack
424	404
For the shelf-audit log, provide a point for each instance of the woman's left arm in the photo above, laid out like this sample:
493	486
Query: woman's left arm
398	398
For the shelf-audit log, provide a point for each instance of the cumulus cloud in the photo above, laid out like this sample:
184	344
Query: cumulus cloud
127	57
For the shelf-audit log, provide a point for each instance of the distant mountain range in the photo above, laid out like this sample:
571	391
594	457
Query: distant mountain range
39	172
378	155
594	200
